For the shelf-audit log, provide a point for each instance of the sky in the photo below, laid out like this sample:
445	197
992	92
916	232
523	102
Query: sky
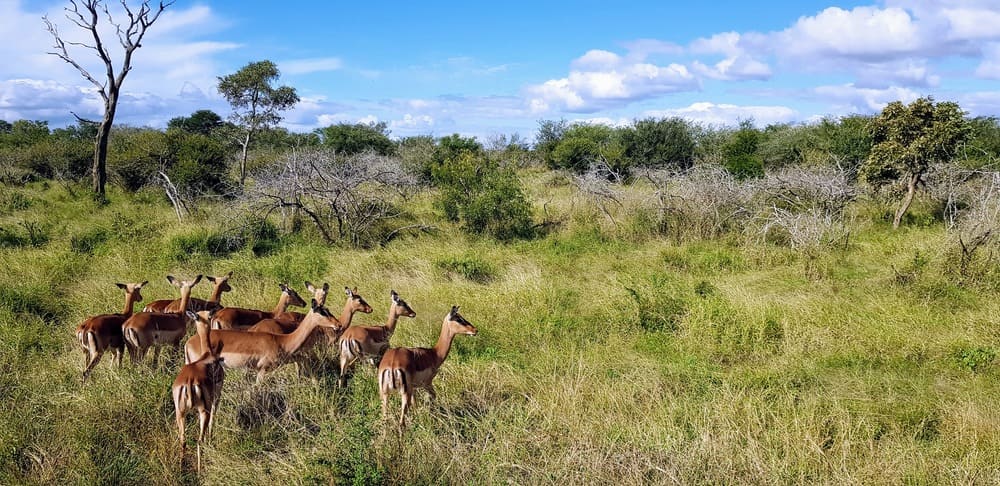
490	68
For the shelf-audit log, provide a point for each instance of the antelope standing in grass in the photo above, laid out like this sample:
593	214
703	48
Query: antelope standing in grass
220	284
291	320
239	318
156	329
99	333
403	369
199	384
371	341
263	351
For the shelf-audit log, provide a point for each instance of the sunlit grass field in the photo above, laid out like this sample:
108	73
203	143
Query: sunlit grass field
604	355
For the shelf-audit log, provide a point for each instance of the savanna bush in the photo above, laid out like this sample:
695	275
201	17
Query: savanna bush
485	198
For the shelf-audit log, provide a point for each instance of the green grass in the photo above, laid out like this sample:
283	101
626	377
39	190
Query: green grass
600	358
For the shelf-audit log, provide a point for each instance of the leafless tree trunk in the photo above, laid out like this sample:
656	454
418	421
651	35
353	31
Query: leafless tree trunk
84	14
911	189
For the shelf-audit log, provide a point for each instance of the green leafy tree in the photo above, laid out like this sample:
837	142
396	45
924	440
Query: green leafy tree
741	154
908	140
846	140
487	199
201	121
5	127
449	148
130	38
550	133
667	142
348	139
256	103
584	145
983	146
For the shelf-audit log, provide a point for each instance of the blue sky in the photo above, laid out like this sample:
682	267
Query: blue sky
482	69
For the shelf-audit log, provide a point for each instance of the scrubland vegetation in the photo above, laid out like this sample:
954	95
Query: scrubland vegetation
664	303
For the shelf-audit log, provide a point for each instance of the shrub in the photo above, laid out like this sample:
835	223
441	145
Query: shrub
741	155
89	240
486	199
668	142
472	268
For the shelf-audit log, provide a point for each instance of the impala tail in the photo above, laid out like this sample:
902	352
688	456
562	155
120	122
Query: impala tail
392	379
351	348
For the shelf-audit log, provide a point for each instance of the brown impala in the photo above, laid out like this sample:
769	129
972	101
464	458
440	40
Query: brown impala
403	369
156	329
99	333
371	341
220	284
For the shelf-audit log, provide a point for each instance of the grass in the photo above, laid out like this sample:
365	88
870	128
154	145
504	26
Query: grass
599	358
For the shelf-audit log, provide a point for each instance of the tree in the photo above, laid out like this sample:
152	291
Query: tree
256	104
84	14
349	139
909	139
667	142
201	121
741	154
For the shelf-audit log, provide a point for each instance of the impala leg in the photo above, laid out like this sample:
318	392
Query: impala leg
156	357
179	417
96	358
345	362
407	398
431	393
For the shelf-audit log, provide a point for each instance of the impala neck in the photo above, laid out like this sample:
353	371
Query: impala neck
216	294
390	324
205	333
346	315
185	298
443	345
129	303
293	341
282	304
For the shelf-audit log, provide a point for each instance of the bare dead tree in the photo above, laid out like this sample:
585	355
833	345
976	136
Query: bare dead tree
344	197
85	14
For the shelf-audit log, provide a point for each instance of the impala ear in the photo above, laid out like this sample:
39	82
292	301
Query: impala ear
348	292
196	280
452	312
314	305
230	274
171	279
394	295
310	287
283	287
143	284
326	286
210	278
191	315
122	286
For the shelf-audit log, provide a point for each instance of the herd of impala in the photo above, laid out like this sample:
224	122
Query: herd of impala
255	340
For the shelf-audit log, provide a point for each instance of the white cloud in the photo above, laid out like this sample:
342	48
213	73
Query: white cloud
854	99
738	64
601	79
727	114
990	67
308	66
868	33
412	123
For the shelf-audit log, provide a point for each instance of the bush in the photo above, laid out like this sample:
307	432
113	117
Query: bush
347	139
485	198
741	155
472	268
668	142
89	240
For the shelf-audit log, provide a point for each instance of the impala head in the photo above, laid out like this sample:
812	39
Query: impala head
133	289
319	293
356	302
457	324
323	316
221	282
293	296
399	306
203	326
183	284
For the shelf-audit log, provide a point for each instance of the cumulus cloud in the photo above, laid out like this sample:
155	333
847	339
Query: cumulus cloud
727	114
855	99
600	79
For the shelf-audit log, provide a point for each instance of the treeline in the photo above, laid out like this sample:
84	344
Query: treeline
477	183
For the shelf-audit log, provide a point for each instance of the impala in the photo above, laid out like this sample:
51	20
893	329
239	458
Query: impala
263	351
403	369
370	341
99	333
199	385
220	284
290	320
156	329
239	318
